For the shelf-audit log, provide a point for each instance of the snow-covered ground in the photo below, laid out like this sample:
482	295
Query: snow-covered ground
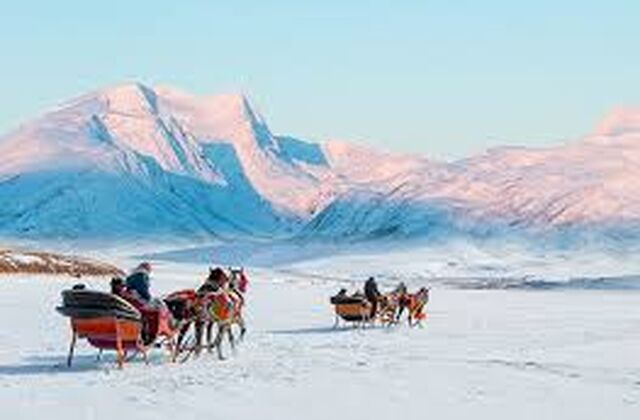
562	353
456	263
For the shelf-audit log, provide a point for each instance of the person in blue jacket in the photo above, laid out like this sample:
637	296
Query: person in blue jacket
139	281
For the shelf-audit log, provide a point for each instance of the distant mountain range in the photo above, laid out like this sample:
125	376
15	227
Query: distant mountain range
134	161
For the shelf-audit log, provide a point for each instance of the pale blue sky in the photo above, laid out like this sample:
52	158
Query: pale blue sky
444	78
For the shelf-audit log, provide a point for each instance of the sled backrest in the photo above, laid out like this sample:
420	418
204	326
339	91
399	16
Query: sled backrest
94	304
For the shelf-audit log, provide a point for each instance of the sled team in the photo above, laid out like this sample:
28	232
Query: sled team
137	285
372	305
219	300
130	320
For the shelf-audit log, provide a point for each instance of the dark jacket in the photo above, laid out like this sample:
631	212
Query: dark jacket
371	290
139	282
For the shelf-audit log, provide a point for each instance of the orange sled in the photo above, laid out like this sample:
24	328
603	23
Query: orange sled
351	309
109	322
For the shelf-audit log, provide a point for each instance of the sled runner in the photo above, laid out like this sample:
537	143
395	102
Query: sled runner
109	322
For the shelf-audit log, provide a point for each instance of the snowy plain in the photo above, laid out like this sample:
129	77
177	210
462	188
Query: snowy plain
568	353
547	327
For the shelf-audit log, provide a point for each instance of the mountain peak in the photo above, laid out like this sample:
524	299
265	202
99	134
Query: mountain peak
130	98
133	98
123	87
621	120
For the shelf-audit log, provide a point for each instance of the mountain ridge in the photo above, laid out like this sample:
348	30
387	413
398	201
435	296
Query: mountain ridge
132	159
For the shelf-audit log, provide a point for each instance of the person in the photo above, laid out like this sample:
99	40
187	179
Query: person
402	295
372	294
339	297
401	289
156	317
139	281
117	286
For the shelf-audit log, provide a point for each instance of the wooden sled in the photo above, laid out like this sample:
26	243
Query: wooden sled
352	310
109	322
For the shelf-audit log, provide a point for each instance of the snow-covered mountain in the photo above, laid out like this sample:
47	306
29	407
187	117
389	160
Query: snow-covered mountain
131	160
582	189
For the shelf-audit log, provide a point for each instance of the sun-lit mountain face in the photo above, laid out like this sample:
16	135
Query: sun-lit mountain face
133	160
130	159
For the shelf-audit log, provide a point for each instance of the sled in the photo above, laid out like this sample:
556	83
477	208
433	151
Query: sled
109	322
351	309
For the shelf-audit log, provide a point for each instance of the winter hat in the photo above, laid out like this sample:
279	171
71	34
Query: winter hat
144	267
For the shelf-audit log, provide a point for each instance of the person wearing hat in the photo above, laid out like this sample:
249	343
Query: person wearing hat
139	281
